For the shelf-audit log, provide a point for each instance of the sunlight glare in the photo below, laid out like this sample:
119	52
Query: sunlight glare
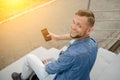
10	8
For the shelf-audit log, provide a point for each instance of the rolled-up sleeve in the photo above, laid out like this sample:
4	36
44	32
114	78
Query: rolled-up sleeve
64	62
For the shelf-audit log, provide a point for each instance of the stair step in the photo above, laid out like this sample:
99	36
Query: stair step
107	64
103	61
41	53
106	55
17	66
54	53
5	74
112	72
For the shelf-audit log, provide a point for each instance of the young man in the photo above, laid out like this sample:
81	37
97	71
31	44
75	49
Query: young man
73	64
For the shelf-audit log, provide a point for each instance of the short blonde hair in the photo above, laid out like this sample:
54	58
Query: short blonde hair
89	14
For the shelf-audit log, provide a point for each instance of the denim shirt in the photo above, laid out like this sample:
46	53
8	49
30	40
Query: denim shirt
76	62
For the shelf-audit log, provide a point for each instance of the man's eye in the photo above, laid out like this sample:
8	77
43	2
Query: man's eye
79	26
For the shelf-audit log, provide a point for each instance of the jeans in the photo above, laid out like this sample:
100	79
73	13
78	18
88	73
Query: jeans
34	64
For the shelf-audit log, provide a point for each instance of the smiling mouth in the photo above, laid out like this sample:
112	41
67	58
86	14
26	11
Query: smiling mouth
74	32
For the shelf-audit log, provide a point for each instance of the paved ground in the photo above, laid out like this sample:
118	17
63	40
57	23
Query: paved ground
22	34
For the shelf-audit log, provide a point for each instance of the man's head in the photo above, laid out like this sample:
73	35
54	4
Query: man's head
83	23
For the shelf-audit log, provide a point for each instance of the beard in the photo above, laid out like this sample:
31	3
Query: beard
78	36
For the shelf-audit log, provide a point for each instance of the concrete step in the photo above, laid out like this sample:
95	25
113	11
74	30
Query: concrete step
5	74
112	72
103	61
107	64
101	16
53	52
106	55
105	5
41	53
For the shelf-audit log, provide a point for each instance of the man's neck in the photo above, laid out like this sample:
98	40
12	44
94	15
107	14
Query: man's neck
84	37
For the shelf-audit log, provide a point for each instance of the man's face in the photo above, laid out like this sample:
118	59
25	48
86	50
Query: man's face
79	27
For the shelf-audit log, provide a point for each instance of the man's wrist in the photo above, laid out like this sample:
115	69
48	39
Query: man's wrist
63	37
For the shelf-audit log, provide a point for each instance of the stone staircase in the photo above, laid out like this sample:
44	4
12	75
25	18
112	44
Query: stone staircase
5	74
106	67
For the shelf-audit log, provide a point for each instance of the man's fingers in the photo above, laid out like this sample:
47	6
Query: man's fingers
44	61
48	35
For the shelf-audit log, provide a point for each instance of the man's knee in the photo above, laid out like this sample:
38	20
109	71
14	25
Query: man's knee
29	57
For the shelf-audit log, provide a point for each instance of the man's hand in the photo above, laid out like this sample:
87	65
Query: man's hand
54	36
45	62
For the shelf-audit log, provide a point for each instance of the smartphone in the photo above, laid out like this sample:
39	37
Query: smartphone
45	34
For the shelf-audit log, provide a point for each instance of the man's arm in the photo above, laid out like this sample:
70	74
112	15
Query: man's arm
60	37
64	62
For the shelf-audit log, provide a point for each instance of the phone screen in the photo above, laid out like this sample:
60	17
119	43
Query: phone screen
45	34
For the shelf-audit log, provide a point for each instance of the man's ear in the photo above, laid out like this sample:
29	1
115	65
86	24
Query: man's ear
90	30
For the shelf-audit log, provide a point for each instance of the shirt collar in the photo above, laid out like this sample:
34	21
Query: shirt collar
73	41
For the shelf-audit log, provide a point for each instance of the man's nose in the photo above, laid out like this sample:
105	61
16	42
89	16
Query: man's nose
73	26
